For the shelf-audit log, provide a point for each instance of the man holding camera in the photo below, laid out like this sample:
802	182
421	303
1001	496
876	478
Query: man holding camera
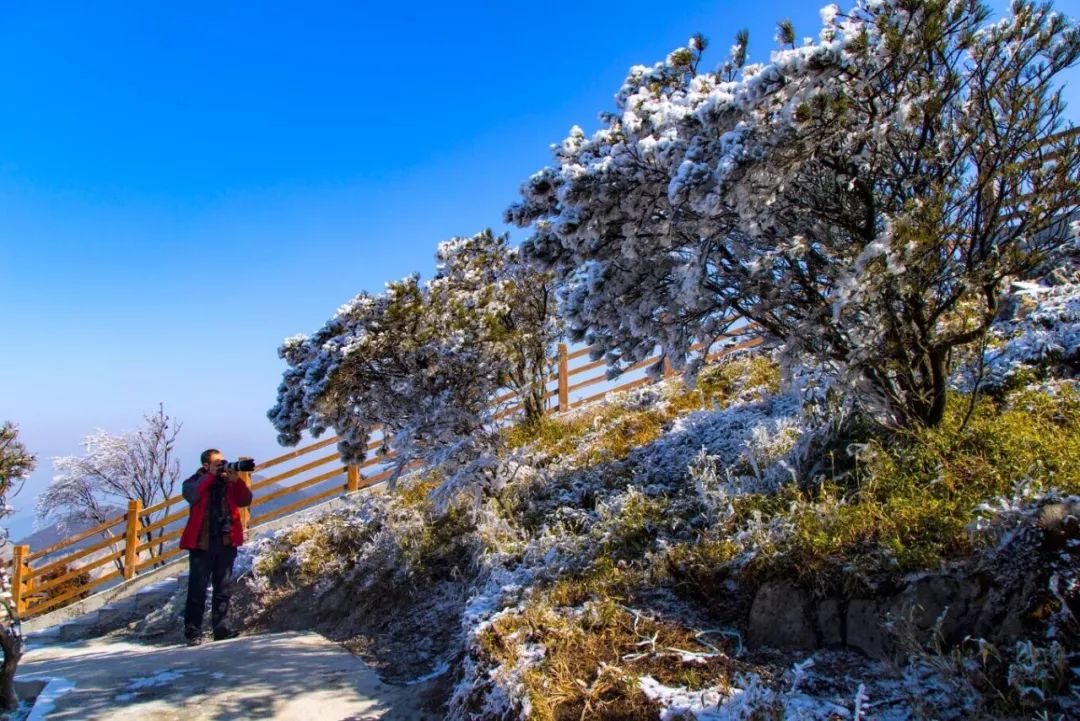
213	533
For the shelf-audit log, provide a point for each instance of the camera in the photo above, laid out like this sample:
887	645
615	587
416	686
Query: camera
245	465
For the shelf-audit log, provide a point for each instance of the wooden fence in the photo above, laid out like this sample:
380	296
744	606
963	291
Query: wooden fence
145	538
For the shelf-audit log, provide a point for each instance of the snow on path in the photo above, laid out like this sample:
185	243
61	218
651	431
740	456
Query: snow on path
283	676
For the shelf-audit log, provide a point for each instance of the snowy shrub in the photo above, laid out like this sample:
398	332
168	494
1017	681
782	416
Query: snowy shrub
977	679
738	378
628	523
400	537
16	463
1041	336
585	661
116	468
905	505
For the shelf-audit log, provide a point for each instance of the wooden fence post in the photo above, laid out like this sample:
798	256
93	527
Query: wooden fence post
131	538
564	379
353	476
17	572
245	476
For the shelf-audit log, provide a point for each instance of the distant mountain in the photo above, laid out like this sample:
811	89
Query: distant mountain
55	532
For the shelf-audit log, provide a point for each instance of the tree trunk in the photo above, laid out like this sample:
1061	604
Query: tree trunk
12	647
939	374
534	404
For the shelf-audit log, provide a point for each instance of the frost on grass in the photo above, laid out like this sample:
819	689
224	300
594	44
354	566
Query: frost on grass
580	520
1038	337
589	537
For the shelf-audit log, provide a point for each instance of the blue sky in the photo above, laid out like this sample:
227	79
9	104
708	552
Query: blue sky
182	185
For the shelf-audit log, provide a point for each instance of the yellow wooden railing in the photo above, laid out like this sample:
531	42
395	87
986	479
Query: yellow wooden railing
135	542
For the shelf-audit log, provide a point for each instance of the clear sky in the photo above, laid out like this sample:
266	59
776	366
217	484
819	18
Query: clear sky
182	185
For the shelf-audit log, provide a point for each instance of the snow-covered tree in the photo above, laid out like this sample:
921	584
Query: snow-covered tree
864	199
139	465
16	463
423	362
481	281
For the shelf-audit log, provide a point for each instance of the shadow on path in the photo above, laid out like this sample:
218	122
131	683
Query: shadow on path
287	676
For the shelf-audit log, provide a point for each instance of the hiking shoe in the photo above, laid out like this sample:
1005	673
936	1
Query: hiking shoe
194	640
224	634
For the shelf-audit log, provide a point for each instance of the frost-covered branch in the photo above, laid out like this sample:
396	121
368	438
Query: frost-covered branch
139	465
864	198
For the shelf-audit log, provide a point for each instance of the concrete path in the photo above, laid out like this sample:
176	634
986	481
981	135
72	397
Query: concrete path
283	676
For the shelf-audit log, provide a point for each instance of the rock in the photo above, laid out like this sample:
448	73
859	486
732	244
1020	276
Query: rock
997	597
866	629
782	617
830	621
927	599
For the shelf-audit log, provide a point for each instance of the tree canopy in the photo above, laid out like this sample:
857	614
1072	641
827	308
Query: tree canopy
139	465
862	199
422	362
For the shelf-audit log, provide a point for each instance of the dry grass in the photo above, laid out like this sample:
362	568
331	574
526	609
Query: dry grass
594	655
611	431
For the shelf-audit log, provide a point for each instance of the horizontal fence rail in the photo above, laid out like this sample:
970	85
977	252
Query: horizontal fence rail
142	539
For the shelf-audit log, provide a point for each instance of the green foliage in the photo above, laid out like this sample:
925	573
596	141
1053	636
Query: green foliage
610	431
316	548
16	463
909	502
441	545
628	530
721	384
591	436
273	560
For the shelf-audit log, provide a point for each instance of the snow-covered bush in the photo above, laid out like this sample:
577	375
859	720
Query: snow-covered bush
1040	336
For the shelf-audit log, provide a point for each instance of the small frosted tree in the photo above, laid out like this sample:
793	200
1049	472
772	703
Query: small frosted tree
862	199
481	281
16	463
140	465
423	362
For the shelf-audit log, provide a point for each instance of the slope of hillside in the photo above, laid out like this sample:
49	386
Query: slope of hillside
717	553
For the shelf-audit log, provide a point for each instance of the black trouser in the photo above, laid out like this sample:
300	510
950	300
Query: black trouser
214	567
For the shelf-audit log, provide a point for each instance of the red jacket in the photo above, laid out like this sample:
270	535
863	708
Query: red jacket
197	493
